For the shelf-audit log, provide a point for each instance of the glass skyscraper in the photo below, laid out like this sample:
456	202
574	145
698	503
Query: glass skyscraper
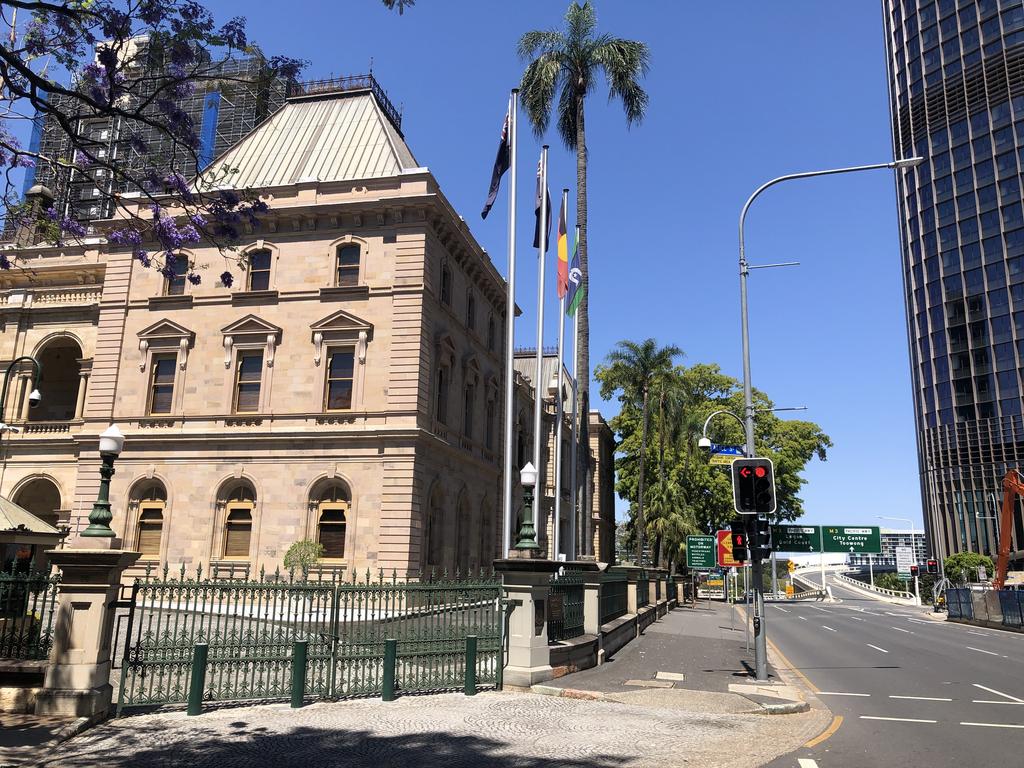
956	84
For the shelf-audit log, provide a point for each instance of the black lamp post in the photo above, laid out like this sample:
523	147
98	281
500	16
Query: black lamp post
527	533
34	397
111	443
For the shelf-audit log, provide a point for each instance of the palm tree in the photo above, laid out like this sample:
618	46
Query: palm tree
632	368
567	63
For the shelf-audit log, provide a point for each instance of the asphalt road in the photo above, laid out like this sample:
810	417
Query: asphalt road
911	691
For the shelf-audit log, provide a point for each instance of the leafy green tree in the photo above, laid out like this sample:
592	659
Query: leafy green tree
631	368
567	63
303	555
963	566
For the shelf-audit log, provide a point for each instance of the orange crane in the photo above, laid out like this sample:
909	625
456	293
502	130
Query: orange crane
1013	487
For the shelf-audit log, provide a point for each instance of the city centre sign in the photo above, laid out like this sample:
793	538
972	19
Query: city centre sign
866	540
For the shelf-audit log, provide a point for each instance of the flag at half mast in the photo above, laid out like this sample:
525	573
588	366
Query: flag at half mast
577	283
563	253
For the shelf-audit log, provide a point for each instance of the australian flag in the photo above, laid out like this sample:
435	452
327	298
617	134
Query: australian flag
501	163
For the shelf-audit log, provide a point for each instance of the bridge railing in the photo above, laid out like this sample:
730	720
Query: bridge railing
895	593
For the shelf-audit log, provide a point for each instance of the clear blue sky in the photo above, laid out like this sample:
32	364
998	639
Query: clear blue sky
740	92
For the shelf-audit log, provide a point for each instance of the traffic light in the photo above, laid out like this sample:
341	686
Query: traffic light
933	566
753	486
764	536
740	553
915	571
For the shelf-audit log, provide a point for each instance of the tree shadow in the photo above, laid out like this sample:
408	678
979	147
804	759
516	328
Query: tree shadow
243	745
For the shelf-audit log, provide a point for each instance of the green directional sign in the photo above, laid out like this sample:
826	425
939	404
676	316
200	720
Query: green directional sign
863	539
701	552
796	538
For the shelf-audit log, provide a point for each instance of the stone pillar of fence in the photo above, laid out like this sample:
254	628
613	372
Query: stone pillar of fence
632	574
77	681
591	594
526	583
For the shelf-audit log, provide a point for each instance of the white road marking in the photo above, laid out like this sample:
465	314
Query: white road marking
839	693
983	701
888	613
897	719
823	610
981	650
998	693
828	628
979	634
921	698
876	648
802	618
856	618
803	762
902	630
781	609
918	621
994	725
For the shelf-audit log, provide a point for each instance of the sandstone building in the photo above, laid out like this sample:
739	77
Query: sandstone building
347	388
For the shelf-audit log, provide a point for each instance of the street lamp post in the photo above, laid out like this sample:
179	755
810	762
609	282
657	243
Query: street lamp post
111	443
527	543
760	644
913	547
34	397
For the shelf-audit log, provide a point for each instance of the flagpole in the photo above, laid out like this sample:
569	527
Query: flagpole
573	448
538	383
559	412
510	317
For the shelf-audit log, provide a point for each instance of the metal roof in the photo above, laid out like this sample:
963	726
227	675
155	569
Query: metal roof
336	137
15	518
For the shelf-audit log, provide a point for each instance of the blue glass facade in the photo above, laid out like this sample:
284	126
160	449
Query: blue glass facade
956	79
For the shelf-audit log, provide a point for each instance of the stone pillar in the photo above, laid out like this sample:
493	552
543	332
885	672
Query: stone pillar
526	584
25	389
77	682
632	573
83	379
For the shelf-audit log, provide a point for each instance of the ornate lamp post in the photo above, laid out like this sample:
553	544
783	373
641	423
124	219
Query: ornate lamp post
111	443
527	535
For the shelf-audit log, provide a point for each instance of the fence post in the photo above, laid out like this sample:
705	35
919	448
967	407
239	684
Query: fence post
390	656
526	583
299	650
470	686
198	684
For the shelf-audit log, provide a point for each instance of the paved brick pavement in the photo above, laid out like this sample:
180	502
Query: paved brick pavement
499	730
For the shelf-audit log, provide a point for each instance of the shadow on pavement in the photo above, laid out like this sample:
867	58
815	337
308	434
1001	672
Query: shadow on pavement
241	746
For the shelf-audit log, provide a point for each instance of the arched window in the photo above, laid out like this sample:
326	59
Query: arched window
468	407
463	538
149	502
435	532
174	281
41	497
490	426
470	310
238	512
60	381
346	265
258	274
441	406
490	333
332	505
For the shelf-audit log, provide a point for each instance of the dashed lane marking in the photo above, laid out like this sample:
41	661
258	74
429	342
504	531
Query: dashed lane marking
803	762
979	634
998	693
823	610
782	609
985	701
856	618
994	725
921	698
918	621
802	618
869	645
840	693
827	627
902	630
897	719
981	650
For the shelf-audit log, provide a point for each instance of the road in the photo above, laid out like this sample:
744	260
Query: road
910	690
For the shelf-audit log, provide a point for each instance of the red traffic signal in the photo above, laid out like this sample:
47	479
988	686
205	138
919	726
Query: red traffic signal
740	553
933	565
914	570
753	486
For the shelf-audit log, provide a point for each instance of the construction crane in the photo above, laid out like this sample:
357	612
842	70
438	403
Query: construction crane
1013	487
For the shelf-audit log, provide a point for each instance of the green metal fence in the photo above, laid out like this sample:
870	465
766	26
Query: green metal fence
565	606
28	601
250	627
614	595
643	594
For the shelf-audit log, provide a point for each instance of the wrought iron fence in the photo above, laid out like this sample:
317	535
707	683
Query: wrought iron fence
614	595
565	606
250	627
28	602
643	592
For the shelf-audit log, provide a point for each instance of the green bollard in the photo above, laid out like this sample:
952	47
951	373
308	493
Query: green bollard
299	649
390	657
195	689
470	689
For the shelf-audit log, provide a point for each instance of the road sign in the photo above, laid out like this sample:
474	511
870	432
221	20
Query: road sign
904	559
700	552
724	455
790	590
852	539
725	558
790	566
796	538
753	486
